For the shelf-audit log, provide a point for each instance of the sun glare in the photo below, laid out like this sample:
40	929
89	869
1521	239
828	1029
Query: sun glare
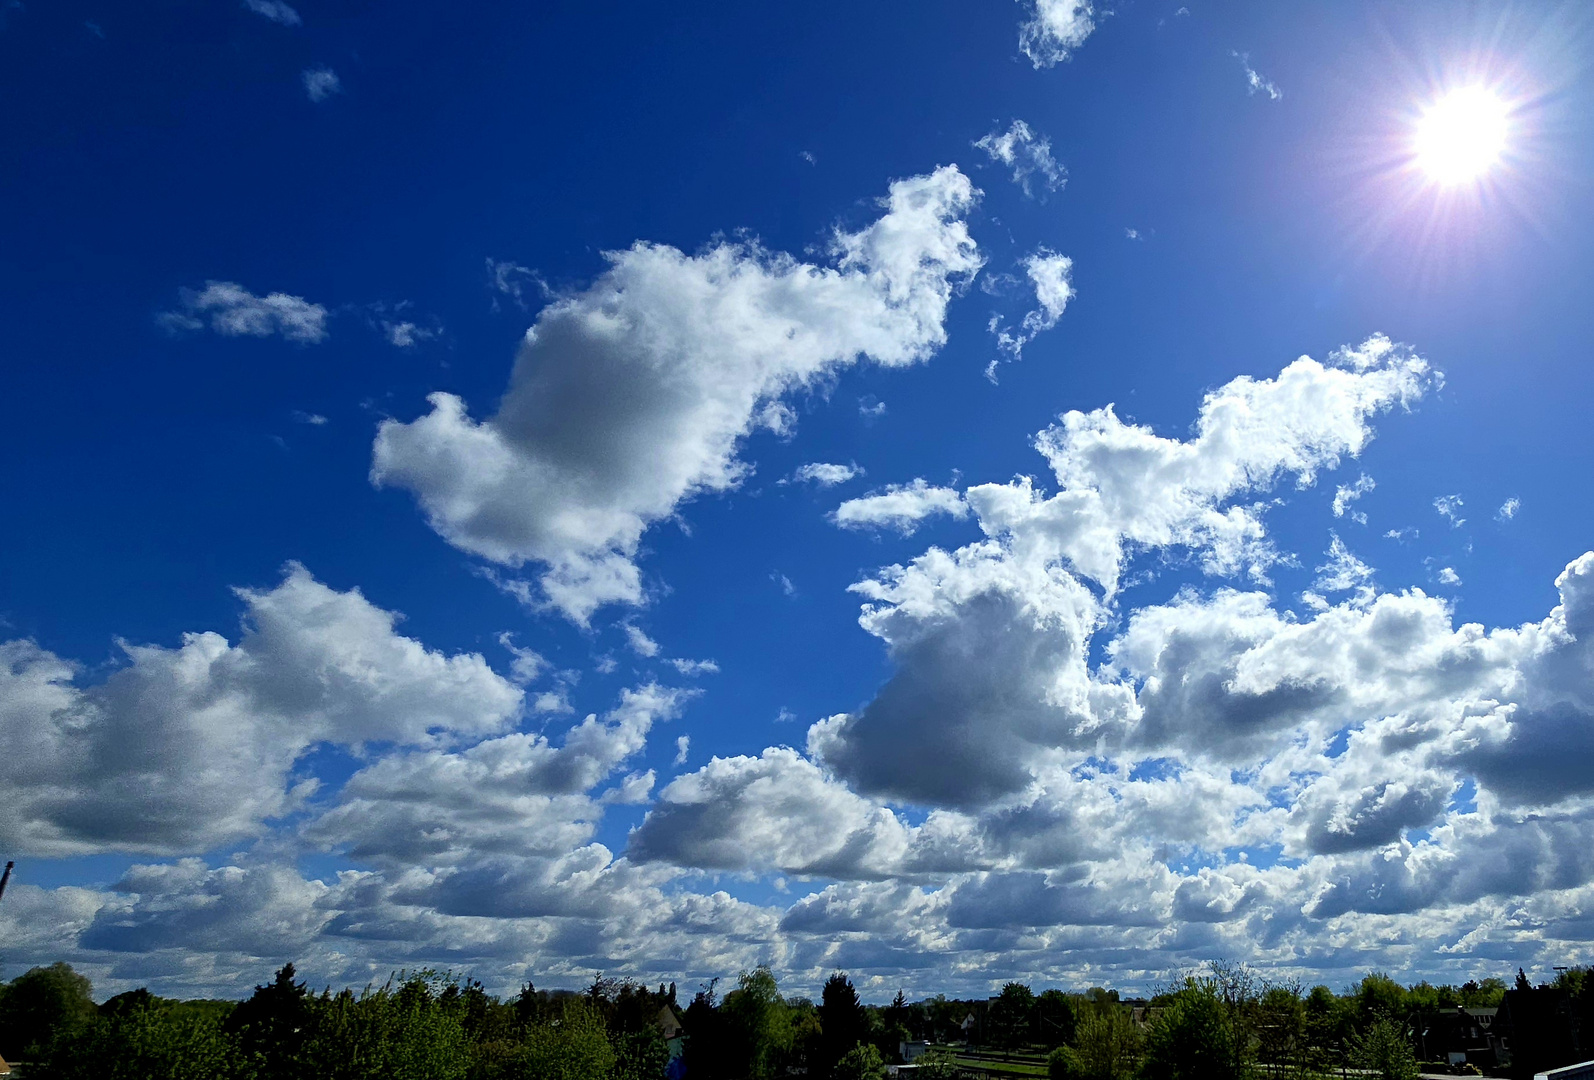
1461	136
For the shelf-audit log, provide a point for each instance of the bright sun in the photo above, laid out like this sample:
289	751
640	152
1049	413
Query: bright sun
1462	135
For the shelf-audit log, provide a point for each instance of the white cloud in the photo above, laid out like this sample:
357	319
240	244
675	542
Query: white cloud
1049	273
1343	571
1345	494
1054	30
1255	83
1132	234
1508	509
515	794
825	474
275	10
321	83
693	668
869	408
405	334
639	641
182	749
989	641
1449	508
683	746
777	810
900	507
527	665
684	355
1028	154
1448	576
233	311
313	419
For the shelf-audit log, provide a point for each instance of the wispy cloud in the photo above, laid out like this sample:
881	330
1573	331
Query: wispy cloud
275	10
233	311
1255	83
1449	507
1028	154
824	473
1346	494
321	83
1508	509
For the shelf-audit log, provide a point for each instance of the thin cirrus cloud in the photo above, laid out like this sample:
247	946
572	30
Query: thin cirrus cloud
687	355
275	10
231	310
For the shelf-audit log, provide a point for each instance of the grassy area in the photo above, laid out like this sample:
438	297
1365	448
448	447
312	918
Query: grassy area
1019	1063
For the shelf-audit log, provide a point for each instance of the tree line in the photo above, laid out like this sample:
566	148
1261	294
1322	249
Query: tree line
1225	1022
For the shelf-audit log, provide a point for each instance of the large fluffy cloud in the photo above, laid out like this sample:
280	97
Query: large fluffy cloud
183	748
990	641
632	395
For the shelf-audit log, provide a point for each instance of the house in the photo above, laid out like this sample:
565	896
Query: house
1459	1036
669	1026
969	1026
911	1051
1534	1032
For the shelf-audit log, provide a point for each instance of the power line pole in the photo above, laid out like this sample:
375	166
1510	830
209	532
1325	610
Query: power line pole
5	877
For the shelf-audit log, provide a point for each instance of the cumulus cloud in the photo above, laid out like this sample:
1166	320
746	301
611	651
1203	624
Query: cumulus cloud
184	748
275	10
1028	154
1054	30
233	311
1049	273
1508	509
989	641
633	395
321	83
516	794
901	507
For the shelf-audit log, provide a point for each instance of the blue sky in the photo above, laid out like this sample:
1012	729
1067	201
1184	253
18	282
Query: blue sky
772	582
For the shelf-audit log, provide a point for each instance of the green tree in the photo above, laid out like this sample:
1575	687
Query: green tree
757	1025
1281	1029
574	1047
40	1007
1194	1038
1055	1018
842	1022
937	1065
1328	1025
1011	1015
145	1039
270	1027
1383	1050
862	1062
1106	1042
